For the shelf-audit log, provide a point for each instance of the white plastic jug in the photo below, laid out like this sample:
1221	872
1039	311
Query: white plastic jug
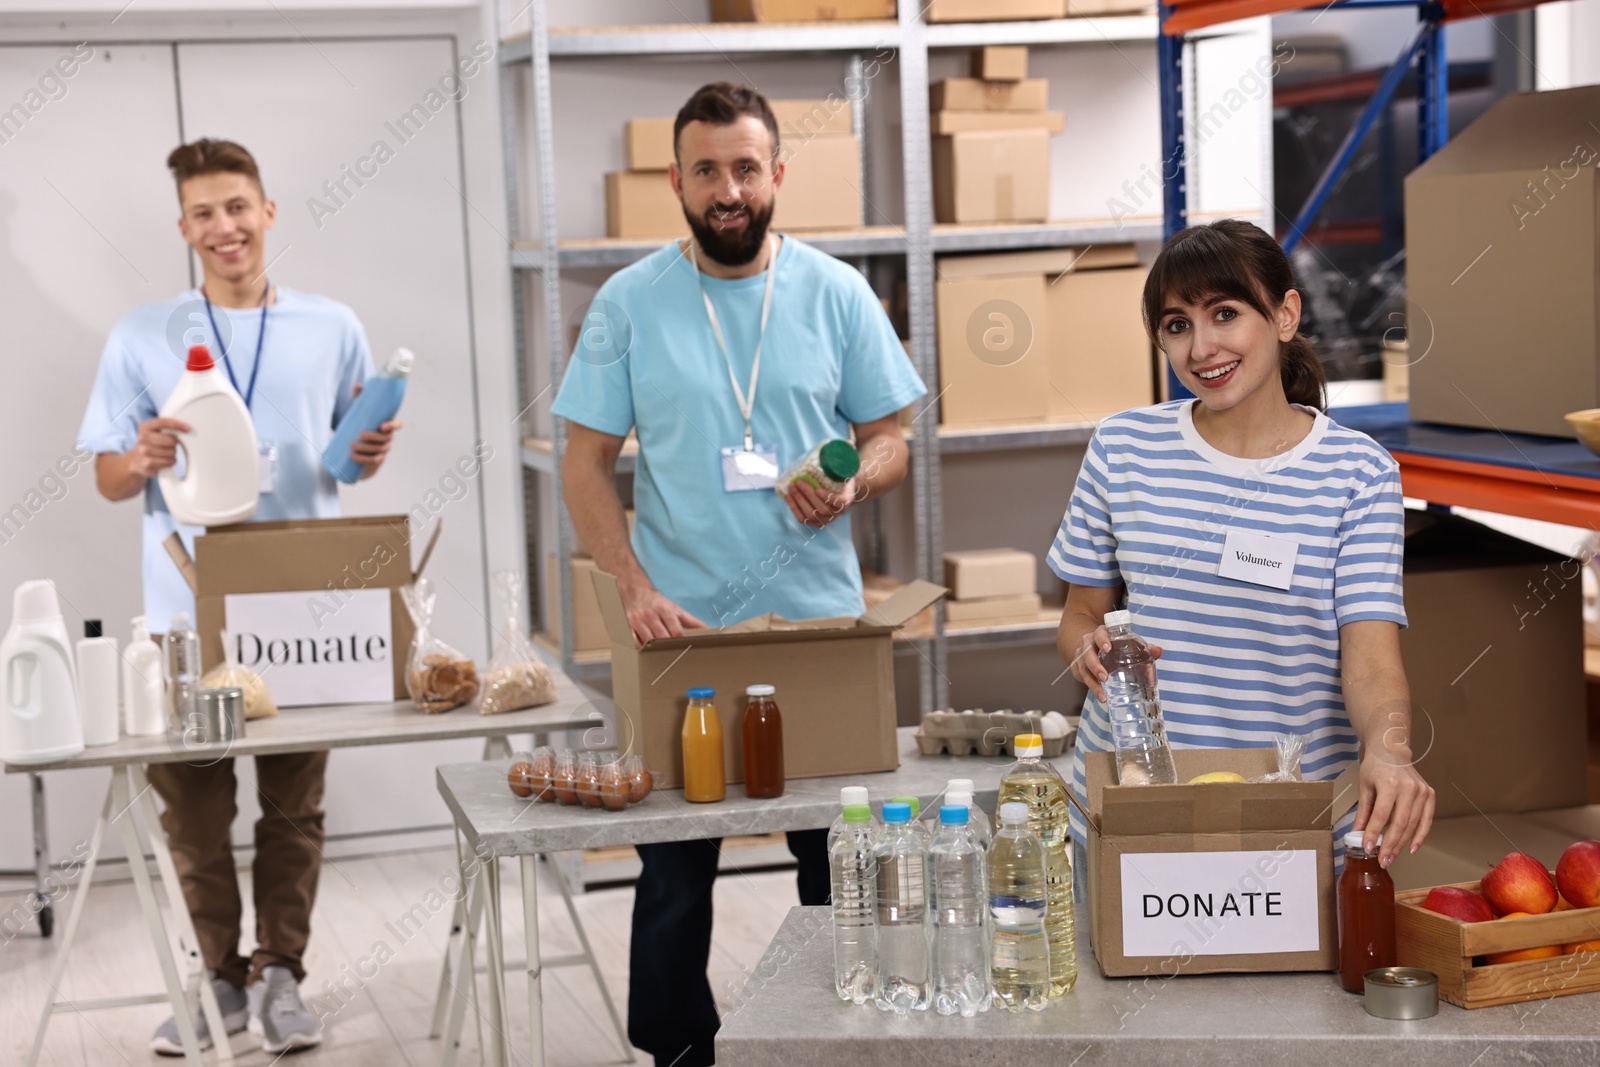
221	479
39	707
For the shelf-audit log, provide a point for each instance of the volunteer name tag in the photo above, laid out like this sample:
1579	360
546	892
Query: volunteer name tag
1219	903
1259	559
266	467
744	469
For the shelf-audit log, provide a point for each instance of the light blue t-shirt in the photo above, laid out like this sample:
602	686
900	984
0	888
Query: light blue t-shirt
314	355
830	358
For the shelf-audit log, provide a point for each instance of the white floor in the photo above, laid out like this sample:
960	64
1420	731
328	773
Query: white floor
383	1016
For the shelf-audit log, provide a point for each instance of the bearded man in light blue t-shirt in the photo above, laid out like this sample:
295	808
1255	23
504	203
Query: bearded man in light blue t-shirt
730	355
298	362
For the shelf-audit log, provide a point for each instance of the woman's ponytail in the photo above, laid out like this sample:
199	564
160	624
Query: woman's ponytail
1304	380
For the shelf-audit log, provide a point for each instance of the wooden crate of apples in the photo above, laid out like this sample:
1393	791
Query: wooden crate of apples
1519	934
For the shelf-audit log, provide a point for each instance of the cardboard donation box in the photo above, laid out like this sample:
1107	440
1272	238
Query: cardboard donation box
1503	265
834	679
1216	877
311	605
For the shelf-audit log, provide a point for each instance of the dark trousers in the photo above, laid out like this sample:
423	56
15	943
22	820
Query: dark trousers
671	1012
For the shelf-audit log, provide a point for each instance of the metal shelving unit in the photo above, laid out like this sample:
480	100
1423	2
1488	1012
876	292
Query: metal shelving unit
916	240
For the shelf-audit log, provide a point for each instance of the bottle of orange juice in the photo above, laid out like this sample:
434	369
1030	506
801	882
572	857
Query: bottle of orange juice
703	779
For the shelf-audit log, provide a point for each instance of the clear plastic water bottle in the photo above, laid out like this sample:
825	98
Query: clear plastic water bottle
1019	950
1035	783
851	796
902	984
182	649
855	896
922	829
957	887
1134	706
958	792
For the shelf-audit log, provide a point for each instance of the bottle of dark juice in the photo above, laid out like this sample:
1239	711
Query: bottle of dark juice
1366	915
763	743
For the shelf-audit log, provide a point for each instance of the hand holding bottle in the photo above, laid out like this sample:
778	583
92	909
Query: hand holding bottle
1086	665
156	448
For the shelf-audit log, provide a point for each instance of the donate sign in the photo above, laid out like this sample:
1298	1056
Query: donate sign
1219	903
345	658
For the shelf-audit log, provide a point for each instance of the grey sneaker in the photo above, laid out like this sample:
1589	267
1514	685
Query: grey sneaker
277	1014
235	1014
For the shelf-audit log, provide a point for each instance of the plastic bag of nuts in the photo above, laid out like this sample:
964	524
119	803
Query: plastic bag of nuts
515	678
438	677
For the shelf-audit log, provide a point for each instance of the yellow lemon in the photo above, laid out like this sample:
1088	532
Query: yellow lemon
1217	776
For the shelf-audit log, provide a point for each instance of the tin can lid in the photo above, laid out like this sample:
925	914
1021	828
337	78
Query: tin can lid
1401	993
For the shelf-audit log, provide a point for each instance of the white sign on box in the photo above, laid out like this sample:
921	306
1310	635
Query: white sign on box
312	657
1219	903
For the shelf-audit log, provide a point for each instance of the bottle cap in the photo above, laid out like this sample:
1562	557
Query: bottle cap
853	796
35	601
759	690
180	620
400	364
140	629
1119	618
1354	838
92	628
959	797
896	812
200	358
702	693
911	802
839	460
959	785
953	815
856	814
1014	813
1028	745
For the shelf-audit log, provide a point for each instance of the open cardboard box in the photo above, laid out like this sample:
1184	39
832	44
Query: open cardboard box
1216	877
834	679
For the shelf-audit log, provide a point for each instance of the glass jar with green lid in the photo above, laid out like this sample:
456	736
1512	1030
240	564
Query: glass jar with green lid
828	466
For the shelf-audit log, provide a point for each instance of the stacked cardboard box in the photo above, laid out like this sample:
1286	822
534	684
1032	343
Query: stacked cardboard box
990	583
800	10
993	10
991	146
821	187
1047	336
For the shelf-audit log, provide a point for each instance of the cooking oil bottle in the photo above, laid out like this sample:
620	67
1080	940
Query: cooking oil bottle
1034	782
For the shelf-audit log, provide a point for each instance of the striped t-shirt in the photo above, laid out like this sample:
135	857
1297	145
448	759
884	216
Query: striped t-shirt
1153	508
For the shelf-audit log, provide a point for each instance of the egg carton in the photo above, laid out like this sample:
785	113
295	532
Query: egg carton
986	733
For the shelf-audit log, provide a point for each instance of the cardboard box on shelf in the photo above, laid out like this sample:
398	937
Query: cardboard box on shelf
945	122
317	600
800	10
835	682
641	204
1213	878
1495	623
1023	606
1050	262
800	120
994	336
972	94
992	176
648	143
1079	8
993	10
1000	63
990	572
821	187
1502	258
588	628
1101	360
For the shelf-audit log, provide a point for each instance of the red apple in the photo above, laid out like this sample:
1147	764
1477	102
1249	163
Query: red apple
1578	874
1461	904
1519	883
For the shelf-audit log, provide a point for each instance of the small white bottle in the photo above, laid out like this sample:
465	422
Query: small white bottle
143	686
97	685
221	482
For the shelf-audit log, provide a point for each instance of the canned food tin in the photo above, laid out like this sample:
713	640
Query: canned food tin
1402	993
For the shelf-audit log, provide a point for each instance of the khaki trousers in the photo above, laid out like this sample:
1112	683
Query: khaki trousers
200	808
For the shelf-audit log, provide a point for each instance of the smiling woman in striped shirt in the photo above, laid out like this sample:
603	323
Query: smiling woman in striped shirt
1259	544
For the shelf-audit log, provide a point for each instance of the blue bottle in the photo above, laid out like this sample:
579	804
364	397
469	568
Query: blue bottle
378	403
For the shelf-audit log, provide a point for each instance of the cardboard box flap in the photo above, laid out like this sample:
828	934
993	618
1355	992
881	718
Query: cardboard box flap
771	623
272	557
1522	132
901	607
611	609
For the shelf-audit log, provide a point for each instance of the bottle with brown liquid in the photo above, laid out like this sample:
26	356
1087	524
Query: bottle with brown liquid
1366	915
763	744
703	779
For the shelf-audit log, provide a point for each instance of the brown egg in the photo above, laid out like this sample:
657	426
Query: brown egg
544	764
640	780
561	779
587	780
519	777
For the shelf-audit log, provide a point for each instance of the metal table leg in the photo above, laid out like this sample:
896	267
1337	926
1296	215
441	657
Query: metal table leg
41	858
499	1045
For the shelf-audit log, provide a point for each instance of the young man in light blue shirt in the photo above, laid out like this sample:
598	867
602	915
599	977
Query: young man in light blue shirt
730	354
298	360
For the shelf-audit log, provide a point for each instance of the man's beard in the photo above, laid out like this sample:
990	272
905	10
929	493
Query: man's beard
733	248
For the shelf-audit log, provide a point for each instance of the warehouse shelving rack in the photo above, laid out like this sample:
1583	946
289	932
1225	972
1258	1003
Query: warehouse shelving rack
918	239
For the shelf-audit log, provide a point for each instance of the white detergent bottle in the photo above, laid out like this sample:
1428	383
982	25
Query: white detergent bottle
221	479
144	688
39	702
